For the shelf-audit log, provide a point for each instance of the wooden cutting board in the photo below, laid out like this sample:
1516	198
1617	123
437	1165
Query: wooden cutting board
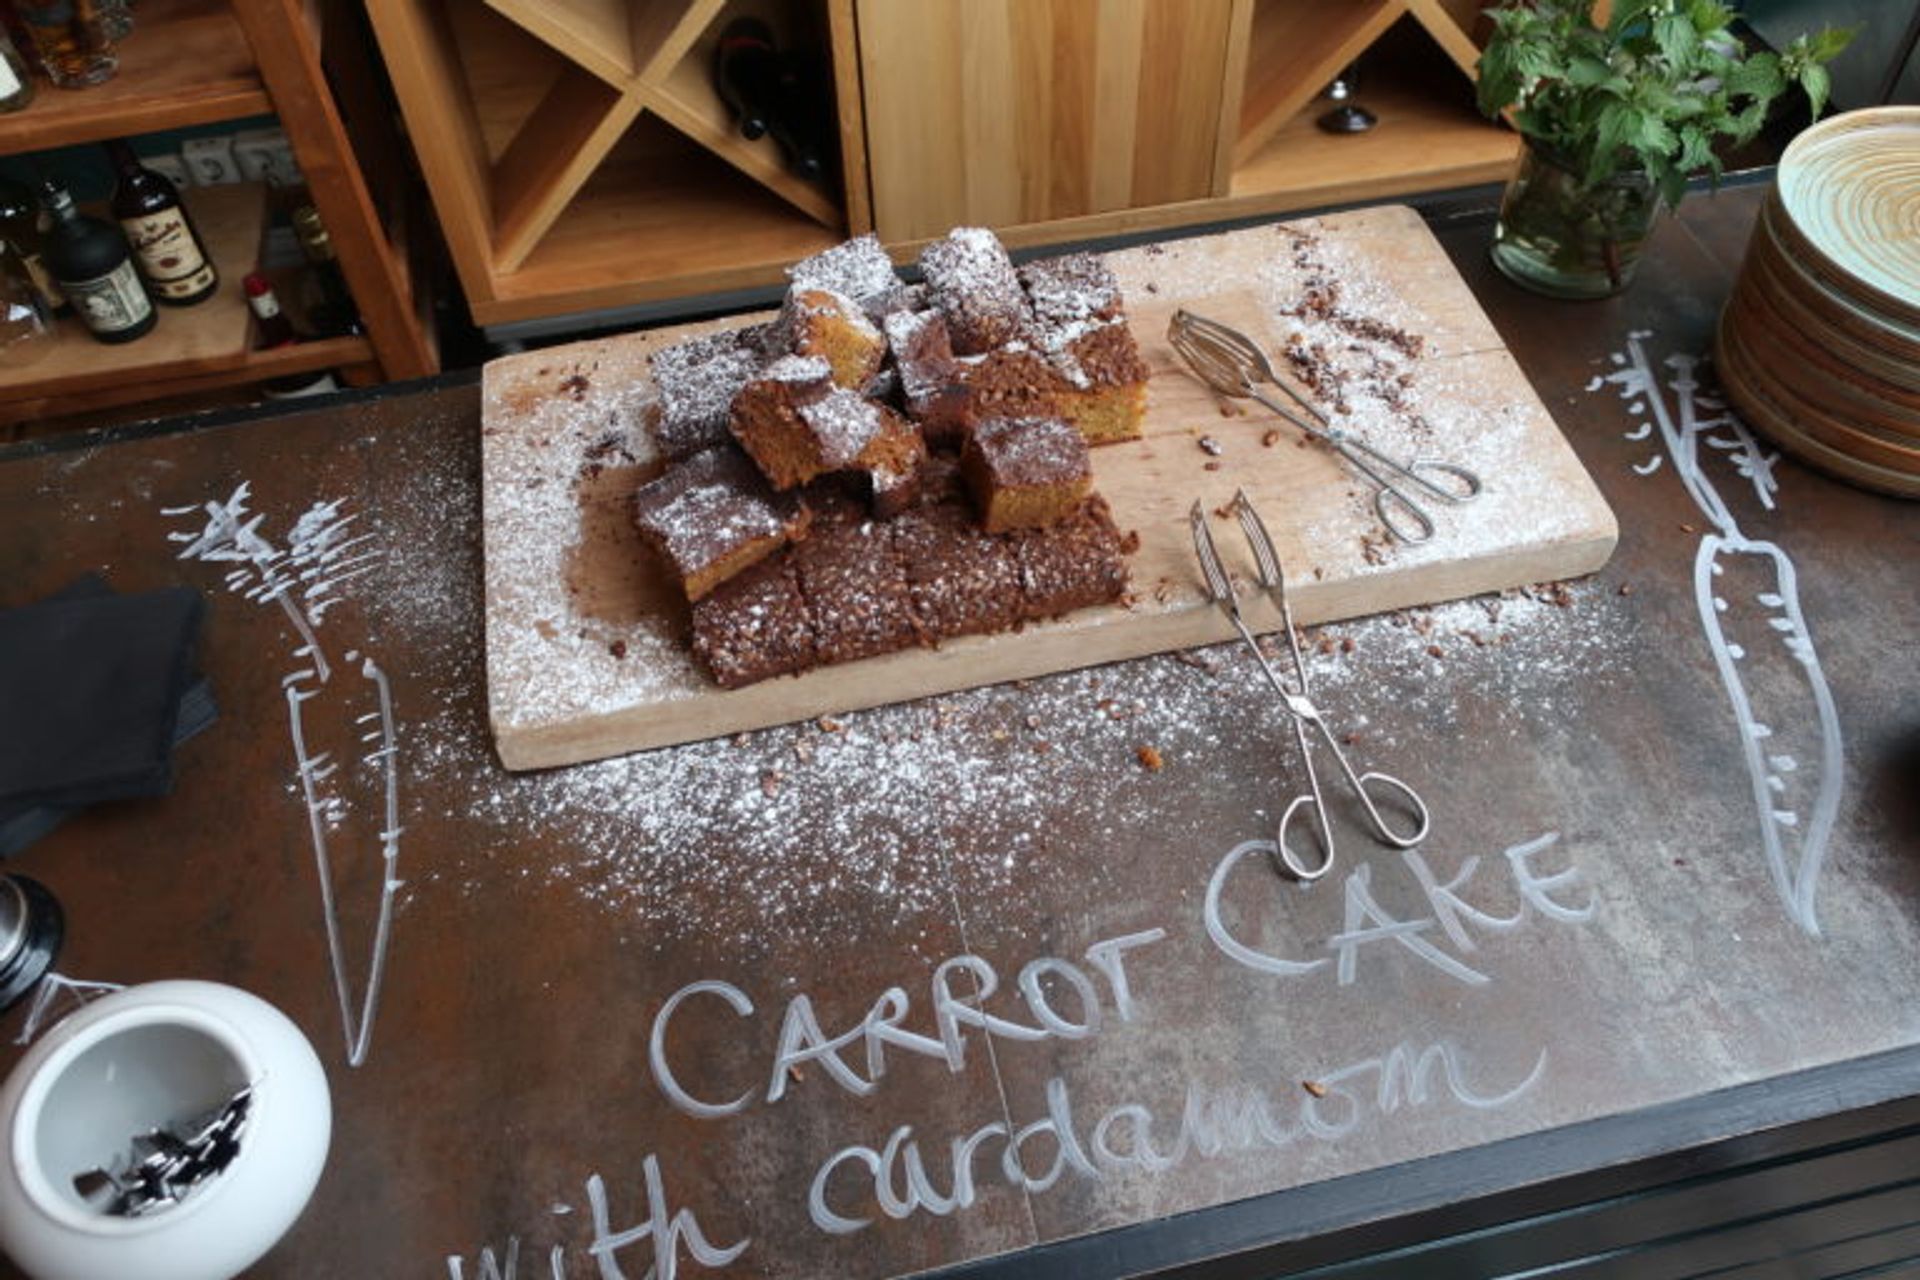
586	653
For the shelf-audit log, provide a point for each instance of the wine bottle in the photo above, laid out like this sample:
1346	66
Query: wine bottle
170	255
91	263
329	303
16	82
20	228
74	46
275	329
746	72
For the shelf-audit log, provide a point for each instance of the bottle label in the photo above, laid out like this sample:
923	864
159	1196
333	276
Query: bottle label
111	302
265	305
170	258
9	82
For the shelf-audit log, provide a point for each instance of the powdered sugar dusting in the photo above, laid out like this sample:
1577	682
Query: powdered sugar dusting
560	659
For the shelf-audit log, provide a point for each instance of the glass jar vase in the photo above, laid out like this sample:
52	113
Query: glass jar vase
1563	237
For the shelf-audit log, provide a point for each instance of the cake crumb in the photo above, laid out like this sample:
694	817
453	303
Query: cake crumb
1149	758
827	724
1270	439
1314	1087
618	649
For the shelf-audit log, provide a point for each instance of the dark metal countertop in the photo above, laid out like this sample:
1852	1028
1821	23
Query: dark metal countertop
1592	961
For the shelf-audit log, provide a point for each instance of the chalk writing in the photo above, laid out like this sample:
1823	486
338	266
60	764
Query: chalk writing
956	1009
894	1177
1794	839
665	1232
1367	923
304	579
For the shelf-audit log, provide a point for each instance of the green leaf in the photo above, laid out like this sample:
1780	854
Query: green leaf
1696	148
1758	77
1817	82
1671	180
1587	72
1708	17
1676	36
1831	42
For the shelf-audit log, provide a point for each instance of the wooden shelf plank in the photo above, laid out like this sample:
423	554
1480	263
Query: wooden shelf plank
186	63
259	366
1295	49
688	101
205	338
597	34
1425	141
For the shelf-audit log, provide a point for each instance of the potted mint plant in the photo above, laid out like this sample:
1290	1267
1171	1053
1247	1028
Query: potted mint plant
1617	116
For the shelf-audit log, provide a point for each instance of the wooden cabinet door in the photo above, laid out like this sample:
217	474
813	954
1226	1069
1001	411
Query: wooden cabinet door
1004	112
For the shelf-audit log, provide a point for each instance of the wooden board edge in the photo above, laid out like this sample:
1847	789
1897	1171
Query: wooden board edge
977	662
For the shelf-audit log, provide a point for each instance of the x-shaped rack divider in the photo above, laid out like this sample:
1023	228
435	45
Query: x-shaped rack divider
625	57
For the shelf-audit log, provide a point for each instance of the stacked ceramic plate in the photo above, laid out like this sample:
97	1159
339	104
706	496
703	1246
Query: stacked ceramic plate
1819	346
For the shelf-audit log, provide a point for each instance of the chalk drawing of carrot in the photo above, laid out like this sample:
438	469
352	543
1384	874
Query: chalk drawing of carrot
1797	802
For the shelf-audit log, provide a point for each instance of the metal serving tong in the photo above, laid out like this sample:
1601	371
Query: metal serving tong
1230	362
1299	704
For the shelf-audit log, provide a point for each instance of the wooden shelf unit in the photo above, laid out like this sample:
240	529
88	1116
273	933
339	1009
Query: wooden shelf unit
582	158
197	62
210	344
582	163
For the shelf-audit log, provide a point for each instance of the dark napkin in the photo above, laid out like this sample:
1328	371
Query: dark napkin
90	690
22	824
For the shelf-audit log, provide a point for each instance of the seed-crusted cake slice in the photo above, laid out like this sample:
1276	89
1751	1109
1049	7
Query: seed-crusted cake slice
1072	289
696	381
754	626
712	516
820	322
856	591
962	581
1025	473
932	382
795	438
766	416
1105	384
1080	323
972	283
858	269
1081	561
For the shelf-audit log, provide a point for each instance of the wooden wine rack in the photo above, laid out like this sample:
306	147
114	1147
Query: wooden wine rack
573	148
582	162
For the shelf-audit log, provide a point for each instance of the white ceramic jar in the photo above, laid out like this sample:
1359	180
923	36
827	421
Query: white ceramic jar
146	1057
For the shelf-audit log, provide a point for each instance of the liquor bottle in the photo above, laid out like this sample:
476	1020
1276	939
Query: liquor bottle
171	256
16	82
329	303
91	263
73	42
20	227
